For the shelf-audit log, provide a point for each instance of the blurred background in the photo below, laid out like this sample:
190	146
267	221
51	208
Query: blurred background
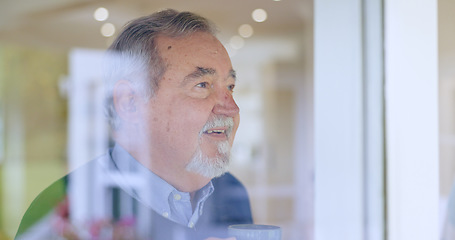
44	45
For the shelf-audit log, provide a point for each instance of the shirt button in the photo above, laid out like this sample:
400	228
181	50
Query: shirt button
165	214
191	225
177	197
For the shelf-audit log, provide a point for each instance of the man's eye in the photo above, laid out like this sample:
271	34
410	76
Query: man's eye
203	85
231	87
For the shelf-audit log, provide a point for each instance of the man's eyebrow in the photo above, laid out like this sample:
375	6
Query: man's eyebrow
233	74
200	72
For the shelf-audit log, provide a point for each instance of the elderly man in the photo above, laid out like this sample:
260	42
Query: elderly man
173	116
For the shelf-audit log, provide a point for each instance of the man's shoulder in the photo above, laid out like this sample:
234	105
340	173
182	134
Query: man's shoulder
230	185
230	201
227	178
228	182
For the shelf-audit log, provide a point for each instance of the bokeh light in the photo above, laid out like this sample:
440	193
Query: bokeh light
108	30
259	15
101	14
246	30
236	42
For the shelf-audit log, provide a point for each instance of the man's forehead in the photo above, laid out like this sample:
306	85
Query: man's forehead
196	55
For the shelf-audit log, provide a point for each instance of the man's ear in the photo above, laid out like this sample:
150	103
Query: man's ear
126	101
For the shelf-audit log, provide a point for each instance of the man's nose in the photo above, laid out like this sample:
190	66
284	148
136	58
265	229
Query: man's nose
225	104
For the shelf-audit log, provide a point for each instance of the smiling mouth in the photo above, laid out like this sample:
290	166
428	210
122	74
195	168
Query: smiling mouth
218	126
215	131
221	134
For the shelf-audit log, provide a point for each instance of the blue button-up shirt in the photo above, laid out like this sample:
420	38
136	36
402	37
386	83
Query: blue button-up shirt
156	193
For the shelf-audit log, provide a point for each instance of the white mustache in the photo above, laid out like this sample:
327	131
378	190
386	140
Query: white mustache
219	121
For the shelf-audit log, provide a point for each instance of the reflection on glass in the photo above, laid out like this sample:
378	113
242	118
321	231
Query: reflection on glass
67	129
124	200
168	84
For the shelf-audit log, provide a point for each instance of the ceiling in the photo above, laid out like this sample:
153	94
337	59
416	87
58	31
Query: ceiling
70	23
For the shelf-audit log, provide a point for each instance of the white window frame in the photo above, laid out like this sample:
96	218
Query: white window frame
352	63
411	63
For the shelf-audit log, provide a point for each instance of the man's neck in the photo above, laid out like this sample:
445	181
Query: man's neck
180	179
174	174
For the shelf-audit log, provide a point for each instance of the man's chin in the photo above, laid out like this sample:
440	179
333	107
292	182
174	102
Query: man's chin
209	167
214	173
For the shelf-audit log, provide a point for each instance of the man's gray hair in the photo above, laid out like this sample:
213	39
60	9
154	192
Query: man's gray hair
134	56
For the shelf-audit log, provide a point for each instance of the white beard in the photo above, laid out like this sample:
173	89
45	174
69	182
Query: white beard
210	167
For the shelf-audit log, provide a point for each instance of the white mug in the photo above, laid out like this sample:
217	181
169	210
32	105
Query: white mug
254	232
